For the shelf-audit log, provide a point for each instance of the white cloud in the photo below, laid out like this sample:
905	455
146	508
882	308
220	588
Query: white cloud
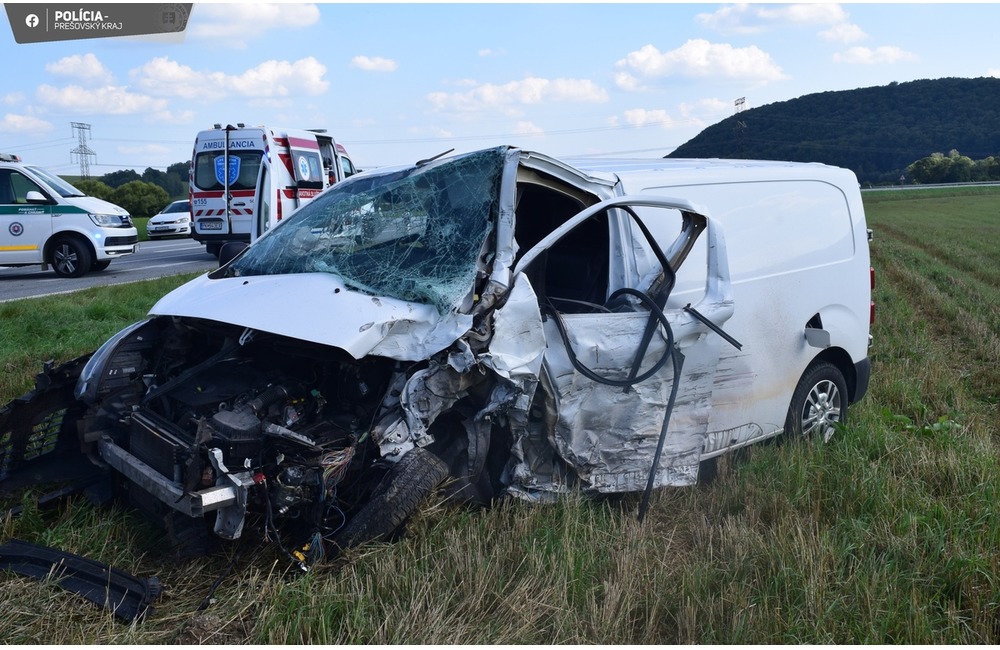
12	99
23	124
374	64
173	117
522	92
143	150
491	52
282	79
109	100
706	110
699	58
234	25
643	117
268	80
801	14
85	69
843	33
626	81
878	55
756	18
528	129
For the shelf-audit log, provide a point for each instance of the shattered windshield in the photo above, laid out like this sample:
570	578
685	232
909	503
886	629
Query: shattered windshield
415	234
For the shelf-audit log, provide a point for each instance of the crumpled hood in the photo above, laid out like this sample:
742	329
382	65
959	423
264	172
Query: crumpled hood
320	308
94	205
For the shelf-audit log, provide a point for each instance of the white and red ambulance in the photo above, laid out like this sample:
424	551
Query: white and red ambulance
244	180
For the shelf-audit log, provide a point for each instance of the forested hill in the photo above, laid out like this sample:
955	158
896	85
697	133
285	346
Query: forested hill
876	132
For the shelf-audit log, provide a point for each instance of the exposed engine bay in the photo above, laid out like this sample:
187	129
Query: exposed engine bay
200	418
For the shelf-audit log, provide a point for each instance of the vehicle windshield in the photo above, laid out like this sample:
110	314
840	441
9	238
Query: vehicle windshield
415	234
57	184
177	206
210	170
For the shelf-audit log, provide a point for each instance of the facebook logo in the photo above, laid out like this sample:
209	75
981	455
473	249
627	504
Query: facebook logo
31	20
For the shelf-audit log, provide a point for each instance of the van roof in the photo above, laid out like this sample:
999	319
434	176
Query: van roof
634	173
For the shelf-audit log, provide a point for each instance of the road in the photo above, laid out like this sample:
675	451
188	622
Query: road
155	259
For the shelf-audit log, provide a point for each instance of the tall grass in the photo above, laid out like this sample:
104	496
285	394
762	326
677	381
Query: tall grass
887	534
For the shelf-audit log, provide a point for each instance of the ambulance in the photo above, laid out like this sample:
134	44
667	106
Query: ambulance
46	221
244	180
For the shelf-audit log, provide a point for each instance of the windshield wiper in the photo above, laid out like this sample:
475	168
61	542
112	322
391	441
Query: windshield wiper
421	163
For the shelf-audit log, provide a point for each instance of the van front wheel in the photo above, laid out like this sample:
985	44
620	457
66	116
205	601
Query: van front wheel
818	403
70	258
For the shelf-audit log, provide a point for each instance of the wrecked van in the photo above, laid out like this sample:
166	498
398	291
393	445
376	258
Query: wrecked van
493	323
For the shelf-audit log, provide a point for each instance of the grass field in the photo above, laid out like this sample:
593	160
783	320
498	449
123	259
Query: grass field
888	534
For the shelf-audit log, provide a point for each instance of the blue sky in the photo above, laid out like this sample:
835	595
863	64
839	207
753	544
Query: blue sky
399	82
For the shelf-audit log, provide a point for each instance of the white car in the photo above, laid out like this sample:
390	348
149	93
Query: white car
499	321
173	220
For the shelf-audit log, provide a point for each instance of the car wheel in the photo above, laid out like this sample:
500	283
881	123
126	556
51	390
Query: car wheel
406	484
70	258
100	265
818	403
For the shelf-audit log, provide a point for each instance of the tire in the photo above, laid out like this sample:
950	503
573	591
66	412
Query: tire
213	249
70	258
188	538
406	484
818	403
100	265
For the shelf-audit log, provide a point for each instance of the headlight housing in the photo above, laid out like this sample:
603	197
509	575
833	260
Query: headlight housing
95	370
111	220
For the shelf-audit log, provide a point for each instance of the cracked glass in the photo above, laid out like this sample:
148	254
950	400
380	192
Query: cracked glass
415	234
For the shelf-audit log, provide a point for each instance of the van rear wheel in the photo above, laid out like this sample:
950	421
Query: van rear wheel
70	258
818	403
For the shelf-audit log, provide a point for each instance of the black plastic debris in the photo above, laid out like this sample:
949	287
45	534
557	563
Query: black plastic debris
127	597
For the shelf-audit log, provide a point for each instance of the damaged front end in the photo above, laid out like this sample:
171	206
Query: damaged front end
318	386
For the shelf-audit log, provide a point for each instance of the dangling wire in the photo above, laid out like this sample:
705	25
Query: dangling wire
335	465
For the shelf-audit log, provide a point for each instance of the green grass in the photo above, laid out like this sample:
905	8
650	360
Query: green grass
888	534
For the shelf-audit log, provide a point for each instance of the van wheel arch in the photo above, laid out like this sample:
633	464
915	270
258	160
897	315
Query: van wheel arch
70	255
820	400
839	358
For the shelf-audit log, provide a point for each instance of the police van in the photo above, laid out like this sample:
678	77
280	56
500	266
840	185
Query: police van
244	180
45	220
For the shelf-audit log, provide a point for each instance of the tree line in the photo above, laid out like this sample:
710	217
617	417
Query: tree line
953	168
142	195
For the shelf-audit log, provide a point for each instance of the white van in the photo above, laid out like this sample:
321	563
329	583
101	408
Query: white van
45	220
517	323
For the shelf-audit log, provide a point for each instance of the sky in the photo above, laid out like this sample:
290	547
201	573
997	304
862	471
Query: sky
395	83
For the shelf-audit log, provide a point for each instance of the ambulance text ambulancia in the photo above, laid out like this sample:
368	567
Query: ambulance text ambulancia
270	172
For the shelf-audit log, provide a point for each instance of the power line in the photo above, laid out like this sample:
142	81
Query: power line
497	136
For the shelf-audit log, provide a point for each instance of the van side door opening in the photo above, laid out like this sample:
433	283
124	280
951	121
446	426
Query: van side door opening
609	434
